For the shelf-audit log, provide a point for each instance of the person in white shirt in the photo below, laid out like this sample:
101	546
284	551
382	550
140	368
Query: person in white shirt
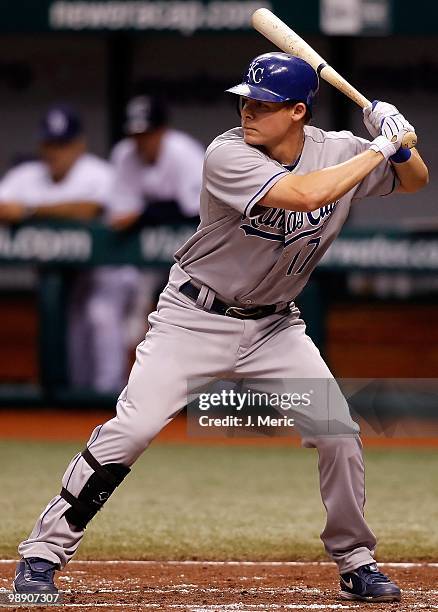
158	170
157	180
66	182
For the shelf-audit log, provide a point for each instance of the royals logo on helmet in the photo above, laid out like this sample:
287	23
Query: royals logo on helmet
255	72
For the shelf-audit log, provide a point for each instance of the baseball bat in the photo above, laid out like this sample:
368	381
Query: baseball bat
290	42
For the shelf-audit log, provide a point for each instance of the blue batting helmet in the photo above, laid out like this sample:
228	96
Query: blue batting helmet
278	77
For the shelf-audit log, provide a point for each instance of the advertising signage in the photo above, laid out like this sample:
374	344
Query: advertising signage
187	17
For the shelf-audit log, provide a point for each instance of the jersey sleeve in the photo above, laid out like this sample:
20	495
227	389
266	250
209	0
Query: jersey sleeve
91	181
240	175
102	183
189	181
11	185
126	193
381	181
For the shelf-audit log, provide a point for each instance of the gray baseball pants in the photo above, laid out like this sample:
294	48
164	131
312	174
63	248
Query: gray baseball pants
185	342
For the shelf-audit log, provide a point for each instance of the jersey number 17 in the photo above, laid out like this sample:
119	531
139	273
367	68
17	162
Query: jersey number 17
303	257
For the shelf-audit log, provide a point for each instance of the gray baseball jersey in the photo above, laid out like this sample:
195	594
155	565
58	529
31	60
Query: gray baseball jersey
249	254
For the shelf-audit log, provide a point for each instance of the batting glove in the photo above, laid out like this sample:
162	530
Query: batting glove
375	114
382	145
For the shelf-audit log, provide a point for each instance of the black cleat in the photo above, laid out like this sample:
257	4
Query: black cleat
366	583
35	575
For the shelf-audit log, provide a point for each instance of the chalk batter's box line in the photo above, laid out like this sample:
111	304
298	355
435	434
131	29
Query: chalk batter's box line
395	564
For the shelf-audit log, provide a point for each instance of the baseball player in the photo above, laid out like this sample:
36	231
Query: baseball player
276	191
67	182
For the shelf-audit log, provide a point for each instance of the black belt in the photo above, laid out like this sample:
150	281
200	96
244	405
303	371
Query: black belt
219	307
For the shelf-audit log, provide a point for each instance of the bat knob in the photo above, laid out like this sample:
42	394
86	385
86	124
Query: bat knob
409	140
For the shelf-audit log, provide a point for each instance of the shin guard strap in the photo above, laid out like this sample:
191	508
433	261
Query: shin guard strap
78	507
105	474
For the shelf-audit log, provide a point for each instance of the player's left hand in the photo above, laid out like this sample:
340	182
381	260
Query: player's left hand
379	113
12	212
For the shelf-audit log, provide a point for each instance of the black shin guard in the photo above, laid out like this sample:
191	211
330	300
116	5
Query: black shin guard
97	489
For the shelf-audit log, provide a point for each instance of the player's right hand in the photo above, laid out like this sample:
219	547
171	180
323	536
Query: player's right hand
394	127
377	114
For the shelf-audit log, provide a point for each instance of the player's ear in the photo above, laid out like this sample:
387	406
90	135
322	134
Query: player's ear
298	111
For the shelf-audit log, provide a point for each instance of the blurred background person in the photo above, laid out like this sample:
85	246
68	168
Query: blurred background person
157	180
66	182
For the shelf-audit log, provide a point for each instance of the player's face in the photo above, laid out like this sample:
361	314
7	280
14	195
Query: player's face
269	123
60	156
148	145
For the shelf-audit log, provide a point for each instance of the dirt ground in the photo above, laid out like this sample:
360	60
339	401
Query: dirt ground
224	587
